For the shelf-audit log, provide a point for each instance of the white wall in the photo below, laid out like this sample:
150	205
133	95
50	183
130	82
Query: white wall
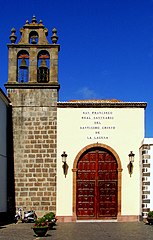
149	142
124	133
151	176
2	127
3	157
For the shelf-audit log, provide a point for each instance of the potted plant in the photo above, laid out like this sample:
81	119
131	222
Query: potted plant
40	227
150	217
50	219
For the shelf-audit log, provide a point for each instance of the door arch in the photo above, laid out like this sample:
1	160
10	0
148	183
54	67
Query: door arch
96	183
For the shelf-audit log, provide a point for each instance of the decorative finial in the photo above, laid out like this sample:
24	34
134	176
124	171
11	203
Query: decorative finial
34	19
40	21
13	37
54	37
27	22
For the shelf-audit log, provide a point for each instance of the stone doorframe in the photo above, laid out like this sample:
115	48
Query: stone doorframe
74	170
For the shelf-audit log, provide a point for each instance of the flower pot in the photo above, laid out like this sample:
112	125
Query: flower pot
51	225
150	220
40	231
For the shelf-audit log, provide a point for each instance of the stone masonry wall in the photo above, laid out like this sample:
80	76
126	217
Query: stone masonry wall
34	135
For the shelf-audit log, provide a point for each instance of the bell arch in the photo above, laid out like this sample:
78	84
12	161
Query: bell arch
74	170
43	66
33	37
22	66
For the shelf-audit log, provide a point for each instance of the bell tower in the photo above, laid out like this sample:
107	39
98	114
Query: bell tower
33	87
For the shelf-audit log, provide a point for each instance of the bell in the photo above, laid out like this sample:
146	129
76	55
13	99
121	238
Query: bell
23	64
33	40
43	64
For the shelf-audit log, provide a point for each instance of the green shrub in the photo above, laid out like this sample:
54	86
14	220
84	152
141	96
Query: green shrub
150	214
40	222
49	216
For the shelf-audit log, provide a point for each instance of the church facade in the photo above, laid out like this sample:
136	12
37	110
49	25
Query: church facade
99	137
83	160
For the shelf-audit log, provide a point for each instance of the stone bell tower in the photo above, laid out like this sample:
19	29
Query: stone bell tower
33	90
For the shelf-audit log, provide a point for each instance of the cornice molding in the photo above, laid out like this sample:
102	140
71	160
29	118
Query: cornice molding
32	85
102	104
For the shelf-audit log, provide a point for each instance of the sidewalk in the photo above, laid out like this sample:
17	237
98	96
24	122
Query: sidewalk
81	231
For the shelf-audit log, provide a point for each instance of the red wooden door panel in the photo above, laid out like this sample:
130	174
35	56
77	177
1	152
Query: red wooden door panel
86	199
86	186
96	185
107	201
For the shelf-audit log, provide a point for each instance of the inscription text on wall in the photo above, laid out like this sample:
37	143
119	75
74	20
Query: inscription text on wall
97	124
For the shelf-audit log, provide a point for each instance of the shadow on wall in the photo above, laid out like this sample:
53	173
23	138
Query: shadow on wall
10	169
8	217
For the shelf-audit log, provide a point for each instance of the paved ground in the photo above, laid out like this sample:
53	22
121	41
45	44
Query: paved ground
81	231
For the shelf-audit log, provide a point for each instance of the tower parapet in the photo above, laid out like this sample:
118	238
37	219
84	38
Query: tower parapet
26	57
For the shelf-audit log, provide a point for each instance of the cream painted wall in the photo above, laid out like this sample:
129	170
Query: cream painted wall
120	128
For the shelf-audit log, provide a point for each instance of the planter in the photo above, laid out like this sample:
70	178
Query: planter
51	225
150	220
40	232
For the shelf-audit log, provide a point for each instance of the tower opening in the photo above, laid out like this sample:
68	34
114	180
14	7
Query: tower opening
43	67
33	37
23	67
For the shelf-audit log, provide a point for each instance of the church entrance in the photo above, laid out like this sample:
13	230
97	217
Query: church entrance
97	185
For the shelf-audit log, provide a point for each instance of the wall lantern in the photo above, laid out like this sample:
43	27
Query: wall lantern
65	166
131	160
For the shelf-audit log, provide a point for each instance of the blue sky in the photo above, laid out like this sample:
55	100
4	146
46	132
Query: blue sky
106	46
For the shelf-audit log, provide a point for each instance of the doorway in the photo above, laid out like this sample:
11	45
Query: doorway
97	185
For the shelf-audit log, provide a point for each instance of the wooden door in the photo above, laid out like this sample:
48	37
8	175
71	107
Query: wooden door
96	185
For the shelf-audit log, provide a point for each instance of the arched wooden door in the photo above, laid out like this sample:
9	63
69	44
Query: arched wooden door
96	185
